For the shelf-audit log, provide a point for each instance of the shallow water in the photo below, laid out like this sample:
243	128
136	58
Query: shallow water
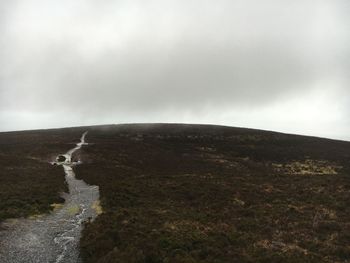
54	237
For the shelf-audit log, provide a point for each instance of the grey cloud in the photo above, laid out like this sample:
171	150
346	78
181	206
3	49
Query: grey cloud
151	79
137	57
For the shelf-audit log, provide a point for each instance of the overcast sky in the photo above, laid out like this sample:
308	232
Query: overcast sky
274	64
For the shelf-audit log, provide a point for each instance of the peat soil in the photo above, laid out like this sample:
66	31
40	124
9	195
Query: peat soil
29	184
190	193
201	193
53	237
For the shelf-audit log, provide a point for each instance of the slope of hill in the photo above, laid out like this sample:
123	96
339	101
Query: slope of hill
28	183
197	193
191	193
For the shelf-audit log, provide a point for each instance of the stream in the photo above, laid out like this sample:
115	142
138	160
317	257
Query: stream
53	237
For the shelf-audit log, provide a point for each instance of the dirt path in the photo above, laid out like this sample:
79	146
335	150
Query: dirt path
54	237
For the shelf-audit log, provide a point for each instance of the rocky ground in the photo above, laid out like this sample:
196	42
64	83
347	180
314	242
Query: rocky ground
53	237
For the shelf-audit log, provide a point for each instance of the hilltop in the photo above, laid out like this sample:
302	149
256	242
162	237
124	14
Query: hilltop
191	193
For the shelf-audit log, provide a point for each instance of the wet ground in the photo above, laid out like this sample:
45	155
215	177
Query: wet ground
54	237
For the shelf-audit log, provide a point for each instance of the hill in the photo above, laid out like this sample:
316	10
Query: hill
28	183
192	193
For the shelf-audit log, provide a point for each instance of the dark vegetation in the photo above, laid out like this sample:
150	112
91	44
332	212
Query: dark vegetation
28	183
192	193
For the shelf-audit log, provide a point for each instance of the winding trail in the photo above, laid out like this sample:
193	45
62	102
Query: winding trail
54	237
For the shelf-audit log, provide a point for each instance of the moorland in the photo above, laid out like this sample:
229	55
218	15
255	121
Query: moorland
190	193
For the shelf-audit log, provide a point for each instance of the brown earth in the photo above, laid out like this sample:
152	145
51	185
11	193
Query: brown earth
29	184
196	193
191	193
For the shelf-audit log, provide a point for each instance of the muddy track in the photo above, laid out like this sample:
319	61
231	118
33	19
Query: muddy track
54	237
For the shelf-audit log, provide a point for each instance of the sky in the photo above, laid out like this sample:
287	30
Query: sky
278	65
